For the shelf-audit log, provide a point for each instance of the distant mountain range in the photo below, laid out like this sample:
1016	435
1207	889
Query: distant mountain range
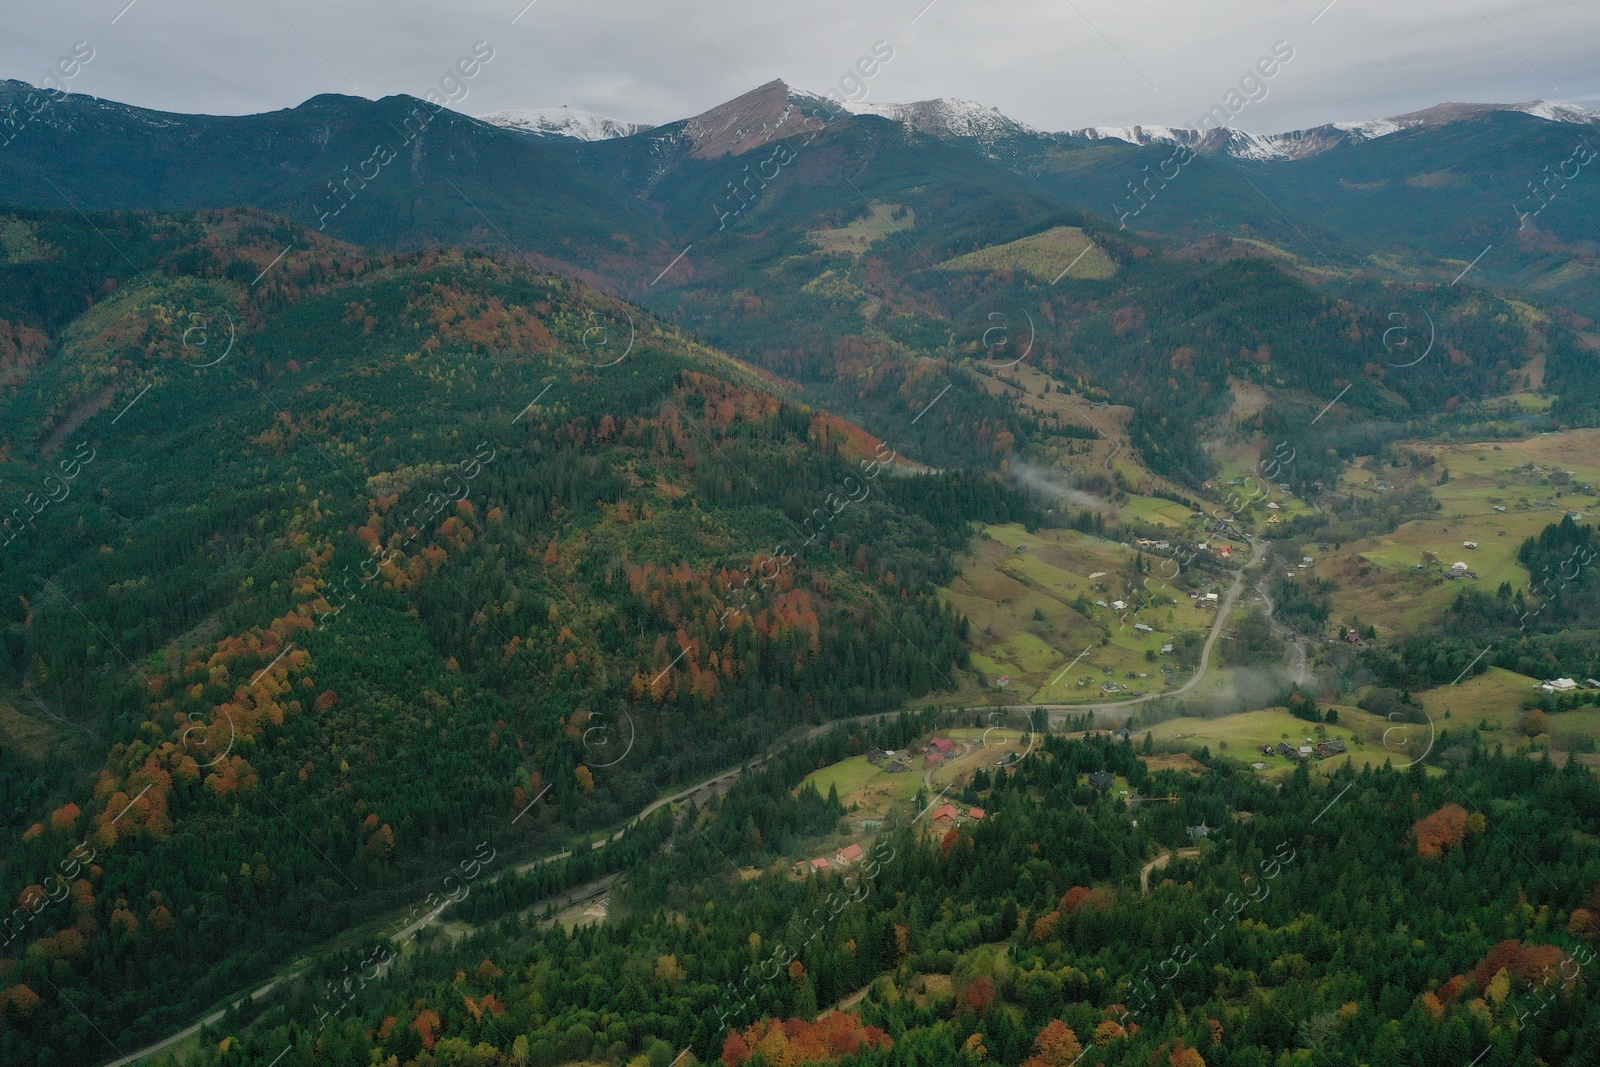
1414	197
966	120
563	122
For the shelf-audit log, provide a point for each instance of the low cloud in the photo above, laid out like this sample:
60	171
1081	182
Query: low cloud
1049	483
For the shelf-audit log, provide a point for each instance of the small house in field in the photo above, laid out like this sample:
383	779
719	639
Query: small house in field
876	756
1332	747
1469	544
847	855
948	812
932	758
943	745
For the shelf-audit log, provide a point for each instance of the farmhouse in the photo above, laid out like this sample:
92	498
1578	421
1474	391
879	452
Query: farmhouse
847	855
876	756
1102	779
1559	685
1142	628
947	811
944	745
1332	747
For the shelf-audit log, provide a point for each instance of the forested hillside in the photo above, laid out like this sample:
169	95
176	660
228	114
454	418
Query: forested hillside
339	566
876	265
1377	917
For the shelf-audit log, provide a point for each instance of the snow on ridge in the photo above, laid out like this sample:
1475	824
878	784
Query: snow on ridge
1299	144
563	122
941	117
1140	135
1556	111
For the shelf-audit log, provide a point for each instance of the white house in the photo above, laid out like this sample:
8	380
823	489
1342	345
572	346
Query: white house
1559	685
1469	544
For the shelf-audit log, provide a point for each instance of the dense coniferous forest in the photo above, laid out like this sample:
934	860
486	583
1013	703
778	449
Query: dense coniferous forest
375	558
1376	917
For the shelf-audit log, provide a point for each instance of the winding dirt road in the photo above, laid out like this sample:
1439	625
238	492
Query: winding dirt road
1224	609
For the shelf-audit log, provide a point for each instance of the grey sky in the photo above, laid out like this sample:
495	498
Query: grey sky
1055	64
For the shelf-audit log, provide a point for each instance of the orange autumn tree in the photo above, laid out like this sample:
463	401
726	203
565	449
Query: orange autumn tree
1078	897
794	1042
1536	965
1056	1046
1443	830
426	1024
980	995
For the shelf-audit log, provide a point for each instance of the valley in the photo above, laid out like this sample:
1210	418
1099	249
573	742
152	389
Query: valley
803	581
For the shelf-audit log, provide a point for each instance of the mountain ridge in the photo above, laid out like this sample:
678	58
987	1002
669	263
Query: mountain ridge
957	118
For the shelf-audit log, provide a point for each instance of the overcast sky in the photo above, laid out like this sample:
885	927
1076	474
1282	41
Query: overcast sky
1056	64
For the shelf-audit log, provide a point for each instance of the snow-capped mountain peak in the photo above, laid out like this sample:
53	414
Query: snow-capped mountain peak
1300	144
946	117
562	122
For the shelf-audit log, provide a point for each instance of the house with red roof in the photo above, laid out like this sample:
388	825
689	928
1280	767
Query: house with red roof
819	864
848	855
976	813
944	745
948	811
